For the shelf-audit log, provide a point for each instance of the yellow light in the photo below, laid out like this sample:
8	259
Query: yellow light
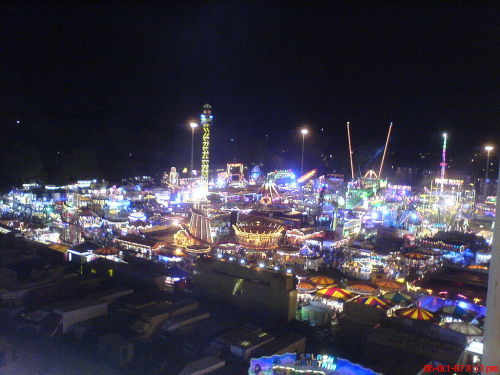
193	125
304	131
488	148
206	120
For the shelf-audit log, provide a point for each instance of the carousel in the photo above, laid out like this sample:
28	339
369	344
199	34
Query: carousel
258	234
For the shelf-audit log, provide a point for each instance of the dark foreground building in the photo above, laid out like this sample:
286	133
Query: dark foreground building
260	291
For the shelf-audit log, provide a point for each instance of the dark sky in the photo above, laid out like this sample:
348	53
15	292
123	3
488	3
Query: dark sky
120	80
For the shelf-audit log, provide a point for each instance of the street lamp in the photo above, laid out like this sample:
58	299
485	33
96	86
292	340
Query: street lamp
193	125
488	149
304	132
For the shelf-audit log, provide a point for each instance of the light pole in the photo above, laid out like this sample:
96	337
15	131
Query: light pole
304	132
193	125
488	149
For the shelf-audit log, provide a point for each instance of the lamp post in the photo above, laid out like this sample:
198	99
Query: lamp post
304	132
488	149
193	125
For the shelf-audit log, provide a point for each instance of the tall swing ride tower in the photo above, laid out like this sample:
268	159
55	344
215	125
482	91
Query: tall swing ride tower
443	160
206	122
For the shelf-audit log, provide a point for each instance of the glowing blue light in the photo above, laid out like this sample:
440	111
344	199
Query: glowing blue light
288	271
231	259
462	304
219	256
262	265
242	261
276	268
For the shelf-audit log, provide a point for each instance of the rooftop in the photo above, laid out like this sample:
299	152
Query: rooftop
139	240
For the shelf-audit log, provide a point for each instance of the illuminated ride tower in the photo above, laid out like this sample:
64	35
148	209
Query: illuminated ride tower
443	161
206	122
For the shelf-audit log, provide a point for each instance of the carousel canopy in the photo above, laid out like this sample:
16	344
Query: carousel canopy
389	285
465	329
415	313
397	297
333	293
362	289
322	280
373	301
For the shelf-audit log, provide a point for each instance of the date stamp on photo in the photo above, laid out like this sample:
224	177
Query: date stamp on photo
461	369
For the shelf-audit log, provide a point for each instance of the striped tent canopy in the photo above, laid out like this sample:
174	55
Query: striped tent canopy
389	285
458	312
333	293
397	297
372	301
415	255
306	286
363	289
465	329
322	280
415	313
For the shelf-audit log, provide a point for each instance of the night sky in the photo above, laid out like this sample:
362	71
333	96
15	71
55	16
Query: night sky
108	90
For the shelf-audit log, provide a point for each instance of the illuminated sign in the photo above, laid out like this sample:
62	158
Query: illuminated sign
448	181
325	361
307	364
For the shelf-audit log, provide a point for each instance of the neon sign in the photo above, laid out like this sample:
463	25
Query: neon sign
310	364
448	181
325	361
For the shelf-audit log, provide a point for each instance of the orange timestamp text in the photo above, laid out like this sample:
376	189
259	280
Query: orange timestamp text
461	369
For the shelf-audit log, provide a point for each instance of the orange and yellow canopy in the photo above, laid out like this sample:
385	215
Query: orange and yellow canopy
333	293
389	285
322	280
